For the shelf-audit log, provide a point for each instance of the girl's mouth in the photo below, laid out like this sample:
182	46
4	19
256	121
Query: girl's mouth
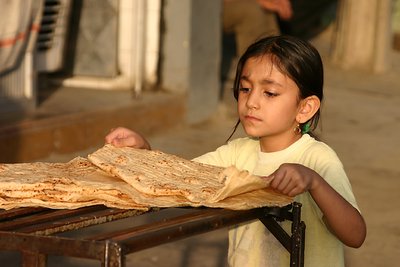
251	118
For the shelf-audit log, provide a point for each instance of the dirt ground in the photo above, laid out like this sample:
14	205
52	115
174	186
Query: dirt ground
360	120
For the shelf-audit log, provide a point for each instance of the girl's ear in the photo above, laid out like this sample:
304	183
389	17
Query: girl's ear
308	107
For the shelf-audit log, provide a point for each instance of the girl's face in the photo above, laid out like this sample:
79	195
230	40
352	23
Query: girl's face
268	104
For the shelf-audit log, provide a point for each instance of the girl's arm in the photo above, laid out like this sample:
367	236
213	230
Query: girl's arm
121	137
342	219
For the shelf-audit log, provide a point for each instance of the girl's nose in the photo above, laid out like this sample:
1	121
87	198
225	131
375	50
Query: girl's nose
253	100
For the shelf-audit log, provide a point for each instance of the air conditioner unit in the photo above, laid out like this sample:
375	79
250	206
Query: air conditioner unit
52	35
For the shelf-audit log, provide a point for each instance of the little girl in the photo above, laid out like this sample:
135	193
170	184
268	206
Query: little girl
278	87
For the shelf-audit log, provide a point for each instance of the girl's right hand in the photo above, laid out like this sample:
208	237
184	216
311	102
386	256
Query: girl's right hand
121	137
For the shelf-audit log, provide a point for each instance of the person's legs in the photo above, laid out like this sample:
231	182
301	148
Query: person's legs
248	21
244	21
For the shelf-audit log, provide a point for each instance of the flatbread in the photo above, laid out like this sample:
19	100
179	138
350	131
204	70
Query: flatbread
235	182
155	173
129	178
266	197
161	174
75	184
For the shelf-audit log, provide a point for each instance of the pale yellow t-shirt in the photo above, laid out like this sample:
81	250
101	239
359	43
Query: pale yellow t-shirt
251	244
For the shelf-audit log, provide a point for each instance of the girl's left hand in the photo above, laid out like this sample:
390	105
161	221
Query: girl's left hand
341	218
293	179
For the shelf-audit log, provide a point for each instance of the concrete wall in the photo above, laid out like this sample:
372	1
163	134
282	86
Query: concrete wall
96	44
191	49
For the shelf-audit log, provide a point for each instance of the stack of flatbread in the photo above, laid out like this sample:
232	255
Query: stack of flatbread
75	184
130	178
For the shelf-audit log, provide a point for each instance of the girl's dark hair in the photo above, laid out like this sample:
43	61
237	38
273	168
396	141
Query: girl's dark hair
296	58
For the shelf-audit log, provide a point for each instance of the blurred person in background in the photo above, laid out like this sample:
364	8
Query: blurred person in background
309	18
245	21
250	20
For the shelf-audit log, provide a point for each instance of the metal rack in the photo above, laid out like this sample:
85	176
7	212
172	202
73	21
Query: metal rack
32	231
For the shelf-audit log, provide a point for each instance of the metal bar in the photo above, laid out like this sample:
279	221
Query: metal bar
174	229
113	256
89	249
47	221
280	234
80	221
30	259
43	216
302	230
294	243
298	238
6	215
281	213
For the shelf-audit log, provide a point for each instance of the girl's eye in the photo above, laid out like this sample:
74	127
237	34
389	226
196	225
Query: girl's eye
244	89
270	94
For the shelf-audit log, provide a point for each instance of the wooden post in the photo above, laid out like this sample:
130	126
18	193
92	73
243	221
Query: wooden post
363	37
